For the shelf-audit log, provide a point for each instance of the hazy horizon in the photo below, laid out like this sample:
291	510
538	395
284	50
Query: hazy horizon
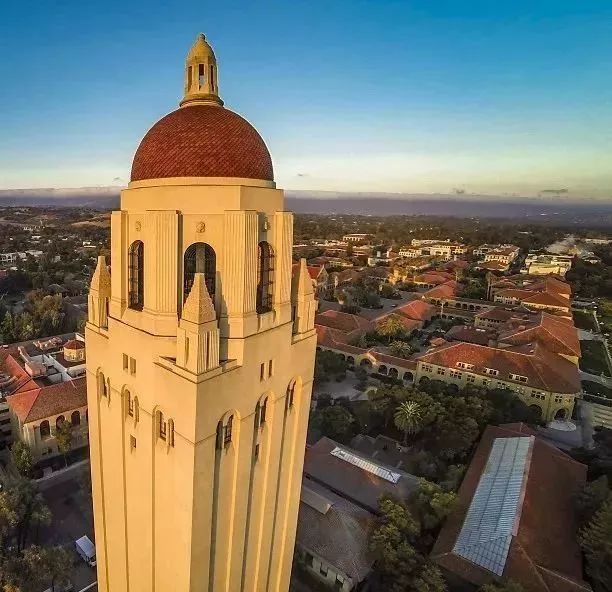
352	96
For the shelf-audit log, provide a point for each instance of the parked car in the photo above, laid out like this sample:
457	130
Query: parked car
86	549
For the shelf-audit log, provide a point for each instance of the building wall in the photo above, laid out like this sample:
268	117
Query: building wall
46	447
194	516
325	571
550	403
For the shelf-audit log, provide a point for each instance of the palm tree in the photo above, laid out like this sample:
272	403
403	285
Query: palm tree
391	327
407	418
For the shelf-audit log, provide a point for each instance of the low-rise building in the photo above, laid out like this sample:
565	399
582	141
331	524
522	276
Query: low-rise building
332	537
381	255
546	264
515	517
444	249
357	237
547	382
44	386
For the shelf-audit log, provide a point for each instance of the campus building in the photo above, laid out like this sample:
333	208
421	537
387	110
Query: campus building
42	386
200	361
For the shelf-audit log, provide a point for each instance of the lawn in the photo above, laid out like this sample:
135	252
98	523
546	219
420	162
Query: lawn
584	320
594	359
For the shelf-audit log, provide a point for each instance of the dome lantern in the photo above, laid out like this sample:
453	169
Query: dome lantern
201	87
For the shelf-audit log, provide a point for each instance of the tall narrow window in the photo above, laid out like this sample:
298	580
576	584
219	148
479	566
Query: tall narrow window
199	258
136	275
290	396
212	78
227	435
262	411
190	77
171	432
219	437
161	426
265	277
257	411
201	75
130	403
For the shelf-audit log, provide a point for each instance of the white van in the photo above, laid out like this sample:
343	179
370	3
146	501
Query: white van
87	550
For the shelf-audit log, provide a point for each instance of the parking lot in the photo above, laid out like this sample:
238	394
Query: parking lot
72	518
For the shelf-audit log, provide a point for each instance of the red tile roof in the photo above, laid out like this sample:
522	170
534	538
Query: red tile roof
544	555
544	370
433	277
547	299
407	323
343	321
49	401
202	141
446	290
418	310
557	334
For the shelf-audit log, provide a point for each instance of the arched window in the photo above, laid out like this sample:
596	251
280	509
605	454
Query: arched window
59	421
199	258
290	396
171	432
75	418
136	275
162	427
227	434
130	403
265	277
261	410
45	429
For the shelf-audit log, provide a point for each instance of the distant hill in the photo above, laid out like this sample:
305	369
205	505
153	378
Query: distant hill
550	207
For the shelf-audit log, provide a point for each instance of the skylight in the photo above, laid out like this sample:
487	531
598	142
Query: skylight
492	518
366	465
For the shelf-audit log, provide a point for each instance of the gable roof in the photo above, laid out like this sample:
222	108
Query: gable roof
343	321
49	401
557	334
446	290
355	476
417	309
543	369
408	323
537	534
335	529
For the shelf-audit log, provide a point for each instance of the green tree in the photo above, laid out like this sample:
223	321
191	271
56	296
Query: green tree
329	365
400	349
52	565
21	457
399	566
8	328
596	542
334	422
407	418
452	478
63	437
502	586
22	512
431	504
592	497
391	327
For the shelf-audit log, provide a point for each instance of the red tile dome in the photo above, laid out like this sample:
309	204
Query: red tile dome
202	141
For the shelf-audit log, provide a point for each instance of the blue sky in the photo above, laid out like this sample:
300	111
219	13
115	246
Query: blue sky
400	96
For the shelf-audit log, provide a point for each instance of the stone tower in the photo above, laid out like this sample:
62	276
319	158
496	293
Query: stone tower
200	357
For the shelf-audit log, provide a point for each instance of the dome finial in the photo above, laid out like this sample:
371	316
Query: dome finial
201	75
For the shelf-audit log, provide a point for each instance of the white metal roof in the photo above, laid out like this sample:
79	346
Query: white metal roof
366	465
494	512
